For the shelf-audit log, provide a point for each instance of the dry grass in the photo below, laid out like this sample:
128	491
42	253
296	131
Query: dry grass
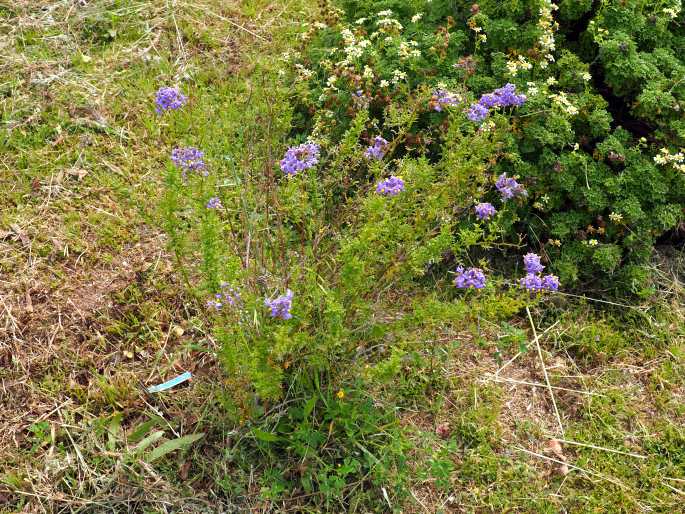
90	309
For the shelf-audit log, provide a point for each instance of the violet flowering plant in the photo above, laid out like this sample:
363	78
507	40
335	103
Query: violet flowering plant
215	303
214	203
189	159
169	99
502	97
281	305
532	263
477	113
509	188
484	211
469	278
442	98
300	158
391	186
227	296
534	281
505	96
377	149
531	282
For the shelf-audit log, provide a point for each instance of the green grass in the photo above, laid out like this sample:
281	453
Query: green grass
93	308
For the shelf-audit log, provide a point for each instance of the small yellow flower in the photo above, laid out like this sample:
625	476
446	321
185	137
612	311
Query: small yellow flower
593	242
340	394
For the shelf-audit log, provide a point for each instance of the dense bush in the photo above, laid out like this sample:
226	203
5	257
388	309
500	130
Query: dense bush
605	90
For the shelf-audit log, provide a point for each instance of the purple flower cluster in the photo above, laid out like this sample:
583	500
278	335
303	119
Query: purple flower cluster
391	186
536	283
532	263
377	150
509	188
484	211
502	97
189	159
214	203
169	98
280	306
228	296
533	281
477	113
299	158
215	303
471	277
442	98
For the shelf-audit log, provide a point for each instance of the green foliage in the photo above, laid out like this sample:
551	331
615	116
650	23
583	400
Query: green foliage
598	199
374	306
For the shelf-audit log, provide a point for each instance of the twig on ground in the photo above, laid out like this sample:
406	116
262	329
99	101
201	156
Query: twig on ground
575	443
544	371
521	353
538	384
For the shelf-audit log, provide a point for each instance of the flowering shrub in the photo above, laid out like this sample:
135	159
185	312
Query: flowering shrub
574	110
427	146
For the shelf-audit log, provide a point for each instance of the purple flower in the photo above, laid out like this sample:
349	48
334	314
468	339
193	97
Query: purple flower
477	113
509	188
442	98
228	296
280	306
489	101
532	263
550	282
485	211
300	158
214	203
377	150
169	98
215	303
189	159
391	186
507	96
471	277
502	97
532	282
535	283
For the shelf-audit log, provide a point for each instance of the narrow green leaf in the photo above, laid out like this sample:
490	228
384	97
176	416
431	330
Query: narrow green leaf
173	445
114	431
153	437
309	407
265	436
143	429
